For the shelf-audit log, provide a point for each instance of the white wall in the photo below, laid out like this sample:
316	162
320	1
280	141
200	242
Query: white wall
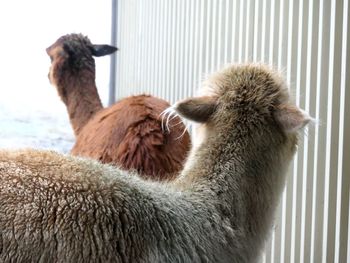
27	28
167	47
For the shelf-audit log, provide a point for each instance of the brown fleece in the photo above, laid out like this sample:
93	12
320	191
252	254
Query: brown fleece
127	134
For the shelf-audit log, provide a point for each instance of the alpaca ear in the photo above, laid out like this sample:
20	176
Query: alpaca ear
291	118
102	50
198	109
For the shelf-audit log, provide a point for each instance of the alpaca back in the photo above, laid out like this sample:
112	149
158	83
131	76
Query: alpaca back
56	208
130	135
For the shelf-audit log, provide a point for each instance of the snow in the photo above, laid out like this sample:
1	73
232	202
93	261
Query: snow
31	112
35	129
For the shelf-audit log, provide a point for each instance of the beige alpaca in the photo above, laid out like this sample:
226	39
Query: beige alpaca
56	208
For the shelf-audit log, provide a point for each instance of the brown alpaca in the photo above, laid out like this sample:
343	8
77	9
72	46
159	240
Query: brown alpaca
129	133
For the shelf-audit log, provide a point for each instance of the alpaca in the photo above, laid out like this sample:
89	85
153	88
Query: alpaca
57	208
129	133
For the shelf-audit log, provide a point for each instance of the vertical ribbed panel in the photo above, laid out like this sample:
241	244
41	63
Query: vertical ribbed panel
167	47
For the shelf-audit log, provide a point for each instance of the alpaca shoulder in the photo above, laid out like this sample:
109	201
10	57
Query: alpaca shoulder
130	134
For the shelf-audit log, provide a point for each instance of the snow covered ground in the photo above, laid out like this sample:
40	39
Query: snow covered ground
31	113
35	129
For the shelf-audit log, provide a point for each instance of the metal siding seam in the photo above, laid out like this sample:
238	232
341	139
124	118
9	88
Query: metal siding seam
169	52
240	28
280	38
161	55
207	62
167	56
344	238
348	256
139	46
295	215
173	53
176	49
201	41
153	41
307	109
248	32
316	173
342	206
272	26
147	65
160	64
281	236
191	57
299	155
197	52
310	107
126	54
256	30
234	27
279	223
219	35
327	237
269	247
291	183
270	61
179	45
187	49
263	31
153	44
336	84
143	58
227	12
155	87
123	57
211	51
130	53
118	54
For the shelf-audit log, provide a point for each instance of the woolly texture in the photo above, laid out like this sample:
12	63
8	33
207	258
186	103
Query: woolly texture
56	208
127	134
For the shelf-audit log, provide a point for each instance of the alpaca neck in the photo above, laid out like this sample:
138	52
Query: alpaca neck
243	184
82	100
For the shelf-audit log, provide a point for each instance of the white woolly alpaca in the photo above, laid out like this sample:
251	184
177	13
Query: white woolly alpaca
56	208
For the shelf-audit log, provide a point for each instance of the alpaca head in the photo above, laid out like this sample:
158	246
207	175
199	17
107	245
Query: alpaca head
72	55
248	102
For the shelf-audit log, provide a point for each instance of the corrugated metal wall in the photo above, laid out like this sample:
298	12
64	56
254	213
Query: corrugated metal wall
167	47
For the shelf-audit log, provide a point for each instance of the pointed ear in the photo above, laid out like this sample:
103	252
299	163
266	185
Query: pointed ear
198	109
291	118
102	50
